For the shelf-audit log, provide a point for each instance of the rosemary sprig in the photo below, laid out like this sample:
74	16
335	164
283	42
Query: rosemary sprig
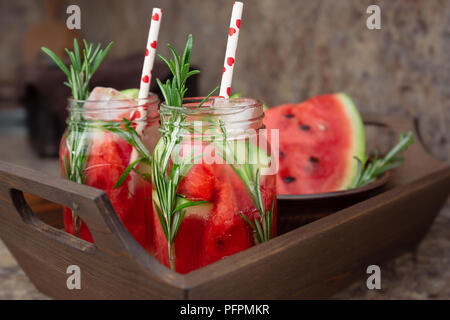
79	73
168	205
125	130
262	227
82	67
174	90
378	165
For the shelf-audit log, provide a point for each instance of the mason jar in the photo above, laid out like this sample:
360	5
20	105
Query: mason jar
97	148
214	181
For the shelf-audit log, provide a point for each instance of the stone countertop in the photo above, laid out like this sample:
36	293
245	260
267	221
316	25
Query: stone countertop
423	274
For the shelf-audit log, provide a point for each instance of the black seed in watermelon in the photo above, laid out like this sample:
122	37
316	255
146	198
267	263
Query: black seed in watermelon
289	179
305	127
314	159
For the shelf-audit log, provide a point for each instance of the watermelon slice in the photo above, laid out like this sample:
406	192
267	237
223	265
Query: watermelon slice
318	140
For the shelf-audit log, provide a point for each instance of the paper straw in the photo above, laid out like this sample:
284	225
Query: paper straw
230	54
144	89
147	69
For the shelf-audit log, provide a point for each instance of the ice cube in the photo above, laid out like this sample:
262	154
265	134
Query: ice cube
107	104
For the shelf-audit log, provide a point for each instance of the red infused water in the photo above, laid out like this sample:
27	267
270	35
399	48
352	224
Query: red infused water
225	161
102	153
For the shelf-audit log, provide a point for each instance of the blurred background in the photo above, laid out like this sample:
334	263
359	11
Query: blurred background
289	50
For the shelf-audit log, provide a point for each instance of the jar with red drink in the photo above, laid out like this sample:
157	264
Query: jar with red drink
214	191
103	138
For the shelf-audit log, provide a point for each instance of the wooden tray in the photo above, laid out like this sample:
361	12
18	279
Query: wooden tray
311	261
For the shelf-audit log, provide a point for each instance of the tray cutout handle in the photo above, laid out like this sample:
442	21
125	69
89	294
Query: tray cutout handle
92	205
30	218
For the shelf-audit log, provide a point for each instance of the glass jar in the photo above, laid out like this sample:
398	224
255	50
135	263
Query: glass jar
214	190
96	150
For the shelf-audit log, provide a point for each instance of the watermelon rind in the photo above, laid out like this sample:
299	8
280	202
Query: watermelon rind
359	142
130	93
248	152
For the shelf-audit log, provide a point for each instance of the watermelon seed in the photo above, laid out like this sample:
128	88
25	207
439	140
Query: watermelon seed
322	127
289	115
305	127
314	159
281	154
289	179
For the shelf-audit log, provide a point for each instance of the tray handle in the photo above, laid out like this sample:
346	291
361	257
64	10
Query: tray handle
418	161
91	204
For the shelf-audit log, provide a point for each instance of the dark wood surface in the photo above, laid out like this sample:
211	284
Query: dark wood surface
312	261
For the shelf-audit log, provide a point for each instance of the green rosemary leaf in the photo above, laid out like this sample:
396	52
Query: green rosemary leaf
178	217
163	90
188	51
127	171
207	97
73	60
101	55
388	166
186	204
67	167
161	219
259	232
191	73
168	64
57	60
76	50
404	141
176	65
130	135
252	225
96	51
359	172
273	202
86	45
379	165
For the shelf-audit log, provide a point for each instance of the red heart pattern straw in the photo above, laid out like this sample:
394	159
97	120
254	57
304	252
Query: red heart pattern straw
144	89
230	54
149	60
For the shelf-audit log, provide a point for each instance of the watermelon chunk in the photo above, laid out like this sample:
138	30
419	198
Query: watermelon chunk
318	142
198	184
216	229
188	245
108	157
